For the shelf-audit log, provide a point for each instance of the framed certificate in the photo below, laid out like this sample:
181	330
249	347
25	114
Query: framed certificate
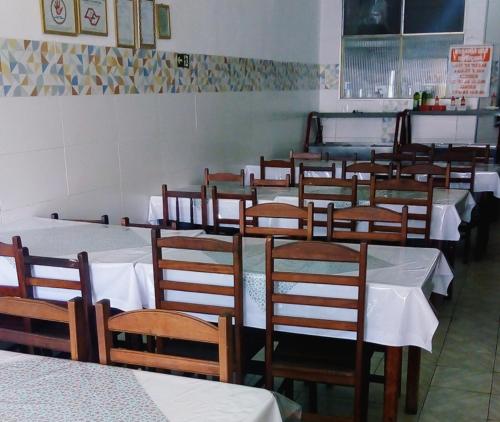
93	17
125	17
147	32
163	21
59	17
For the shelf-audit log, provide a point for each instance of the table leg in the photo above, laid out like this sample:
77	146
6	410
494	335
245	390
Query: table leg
392	373
483	229
413	379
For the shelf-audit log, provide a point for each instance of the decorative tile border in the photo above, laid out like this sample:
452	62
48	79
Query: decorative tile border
41	68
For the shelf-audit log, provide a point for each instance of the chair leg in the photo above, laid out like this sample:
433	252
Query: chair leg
313	396
467	244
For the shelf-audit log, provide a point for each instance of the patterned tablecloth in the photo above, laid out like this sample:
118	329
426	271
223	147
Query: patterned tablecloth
36	389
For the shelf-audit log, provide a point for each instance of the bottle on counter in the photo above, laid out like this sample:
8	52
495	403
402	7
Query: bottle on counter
416	101
436	101
453	101
425	97
462	101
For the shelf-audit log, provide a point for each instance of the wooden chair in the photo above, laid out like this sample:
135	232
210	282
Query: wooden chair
125	222
103	220
378	229
164	324
407	158
305	170
481	153
391	198
463	163
249	220
223	177
177	196
10	250
220	220
327	191
422	152
305	357
283	164
440	175
28	281
380	171
270	183
309	155
71	315
205	291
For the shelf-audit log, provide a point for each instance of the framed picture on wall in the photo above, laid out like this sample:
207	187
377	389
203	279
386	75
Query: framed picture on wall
59	17
147	33
163	21
125	18
93	17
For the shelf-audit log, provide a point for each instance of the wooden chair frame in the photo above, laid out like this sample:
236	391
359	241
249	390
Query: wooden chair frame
441	175
72	315
407	185
223	177
177	195
216	196
11	251
373	169
303	169
162	285
482	154
285	164
276	210
103	220
164	324
125	222
377	233
316	251
351	197
270	183
409	157
422	152
460	162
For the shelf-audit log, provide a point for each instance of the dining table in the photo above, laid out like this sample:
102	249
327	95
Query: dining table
39	388
449	208
400	281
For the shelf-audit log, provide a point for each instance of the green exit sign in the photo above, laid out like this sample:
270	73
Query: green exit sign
183	60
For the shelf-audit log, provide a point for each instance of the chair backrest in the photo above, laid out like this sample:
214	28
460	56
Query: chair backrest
323	191
401	192
72	315
249	220
282	164
380	171
308	171
177	197
270	183
481	153
462	167
278	296
309	155
422	152
103	220
164	324
81	282
219	219
125	222
441	175
165	284
384	225
11	250
406	158
224	177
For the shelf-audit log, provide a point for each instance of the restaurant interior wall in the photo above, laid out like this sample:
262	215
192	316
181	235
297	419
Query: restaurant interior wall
429	129
84	155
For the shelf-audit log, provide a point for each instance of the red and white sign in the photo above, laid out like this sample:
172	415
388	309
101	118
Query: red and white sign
469	70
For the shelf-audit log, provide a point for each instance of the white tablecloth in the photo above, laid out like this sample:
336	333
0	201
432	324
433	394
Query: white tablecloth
487	177
399	279
36	388
450	208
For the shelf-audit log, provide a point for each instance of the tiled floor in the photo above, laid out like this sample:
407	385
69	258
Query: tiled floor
460	380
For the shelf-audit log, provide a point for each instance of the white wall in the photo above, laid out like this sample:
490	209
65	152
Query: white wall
84	156
425	129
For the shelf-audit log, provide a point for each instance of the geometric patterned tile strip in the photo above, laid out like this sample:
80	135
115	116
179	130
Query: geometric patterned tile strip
41	68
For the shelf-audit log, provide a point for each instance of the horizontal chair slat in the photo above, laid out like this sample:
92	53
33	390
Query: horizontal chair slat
204	244
51	262
314	301
31	308
340	280
196	308
53	283
386	237
314	323
309	251
10	291
174	363
35	340
327	197
167	264
401	201
276	231
182	286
